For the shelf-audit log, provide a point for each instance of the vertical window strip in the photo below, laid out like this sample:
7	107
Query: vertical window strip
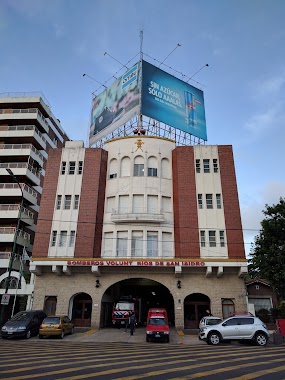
67	202
206	165
76	202
209	200
212	238
53	238
215	165
218	199
222	238
202	238
200	201
80	167
71	169
198	168
58	202
63	167
71	238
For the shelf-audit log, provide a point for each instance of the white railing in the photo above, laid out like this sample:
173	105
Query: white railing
24	186
37	94
22	146
152	253
24	110
13	207
137	252
22	128
136	210
16	165
12	230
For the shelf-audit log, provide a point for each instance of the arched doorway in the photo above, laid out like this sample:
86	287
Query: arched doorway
195	306
82	310
50	305
148	293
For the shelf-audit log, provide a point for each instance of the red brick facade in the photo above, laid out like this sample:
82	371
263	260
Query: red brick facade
42	237
186	229
91	209
231	203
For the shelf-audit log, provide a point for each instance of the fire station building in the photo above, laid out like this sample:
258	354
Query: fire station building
143	218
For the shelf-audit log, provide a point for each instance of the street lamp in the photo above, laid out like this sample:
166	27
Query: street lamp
13	253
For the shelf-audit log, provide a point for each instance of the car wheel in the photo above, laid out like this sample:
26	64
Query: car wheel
28	334
62	334
261	339
214	338
41	336
72	331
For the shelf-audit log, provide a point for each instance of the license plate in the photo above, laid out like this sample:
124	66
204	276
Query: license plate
157	335
122	322
10	332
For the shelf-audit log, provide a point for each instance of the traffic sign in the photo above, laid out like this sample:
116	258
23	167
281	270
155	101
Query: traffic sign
5	299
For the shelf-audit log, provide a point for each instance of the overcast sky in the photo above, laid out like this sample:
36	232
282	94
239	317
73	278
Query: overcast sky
47	46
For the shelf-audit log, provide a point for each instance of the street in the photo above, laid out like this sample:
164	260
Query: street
121	356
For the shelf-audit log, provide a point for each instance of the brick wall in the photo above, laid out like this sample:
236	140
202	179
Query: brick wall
91	210
231	203
44	223
186	233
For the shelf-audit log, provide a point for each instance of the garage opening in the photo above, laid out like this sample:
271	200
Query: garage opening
195	308
138	293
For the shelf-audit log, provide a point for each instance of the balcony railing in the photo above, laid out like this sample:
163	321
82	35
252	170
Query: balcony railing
12	230
36	94
22	146
5	255
24	187
10	128
13	207
20	165
24	110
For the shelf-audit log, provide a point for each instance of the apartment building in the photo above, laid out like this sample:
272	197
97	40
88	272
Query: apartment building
28	129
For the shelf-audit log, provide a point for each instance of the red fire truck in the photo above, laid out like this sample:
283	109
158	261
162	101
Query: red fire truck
123	308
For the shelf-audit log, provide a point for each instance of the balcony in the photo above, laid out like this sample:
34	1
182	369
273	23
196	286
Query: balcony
7	236
12	189
5	259
24	114
21	150
136	217
23	131
22	169
11	211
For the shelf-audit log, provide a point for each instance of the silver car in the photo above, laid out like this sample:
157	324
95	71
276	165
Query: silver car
236	328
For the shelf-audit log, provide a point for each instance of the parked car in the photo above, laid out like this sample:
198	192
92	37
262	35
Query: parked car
56	325
23	324
209	321
157	327
240	328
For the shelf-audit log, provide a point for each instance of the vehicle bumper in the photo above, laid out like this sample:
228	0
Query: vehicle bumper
13	334
50	332
157	335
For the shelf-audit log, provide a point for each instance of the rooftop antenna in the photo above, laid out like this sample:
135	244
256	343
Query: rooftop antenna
197	72
177	46
86	75
141	44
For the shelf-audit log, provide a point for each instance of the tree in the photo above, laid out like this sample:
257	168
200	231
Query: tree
267	255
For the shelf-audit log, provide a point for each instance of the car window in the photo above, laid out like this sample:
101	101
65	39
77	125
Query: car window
52	320
156	321
246	321
231	322
213	321
21	317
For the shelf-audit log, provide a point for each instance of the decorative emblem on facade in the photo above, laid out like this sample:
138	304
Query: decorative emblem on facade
139	144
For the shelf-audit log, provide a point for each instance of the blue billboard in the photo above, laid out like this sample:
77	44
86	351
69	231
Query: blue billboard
172	101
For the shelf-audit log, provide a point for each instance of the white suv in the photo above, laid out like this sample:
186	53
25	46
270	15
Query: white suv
236	328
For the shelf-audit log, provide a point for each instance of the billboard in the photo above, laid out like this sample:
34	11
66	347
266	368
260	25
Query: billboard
172	101
117	104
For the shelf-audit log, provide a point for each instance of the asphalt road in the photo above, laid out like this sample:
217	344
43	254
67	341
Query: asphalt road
120	356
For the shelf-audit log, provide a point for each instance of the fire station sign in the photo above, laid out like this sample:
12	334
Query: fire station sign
141	263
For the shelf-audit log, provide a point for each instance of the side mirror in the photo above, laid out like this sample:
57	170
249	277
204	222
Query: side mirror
224	324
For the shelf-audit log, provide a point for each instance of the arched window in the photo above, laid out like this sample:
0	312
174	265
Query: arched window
50	305
152	167
228	308
165	168
113	170
125	167
139	166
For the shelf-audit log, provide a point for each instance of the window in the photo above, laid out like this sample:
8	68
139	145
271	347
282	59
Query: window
198	166
123	204
215	165
80	167
63	167
152	204
137	243
122	244
209	200
62	238
53	238
67	202
228	308
222	238
206	164
125	167
212	238
166	204
138	170
202	238
76	202
113	169
200	201
110	204
58	202
71	169
152	172
113	175
138	203
218	199
71	238
167	244
152	244
152	167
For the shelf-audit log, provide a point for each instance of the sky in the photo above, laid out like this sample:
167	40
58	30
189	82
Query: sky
47	46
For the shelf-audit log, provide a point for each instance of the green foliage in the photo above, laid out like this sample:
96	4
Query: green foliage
264	315
267	256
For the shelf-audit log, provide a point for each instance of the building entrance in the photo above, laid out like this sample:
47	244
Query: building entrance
195	307
82	310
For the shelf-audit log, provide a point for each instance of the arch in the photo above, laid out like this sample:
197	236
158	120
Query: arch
152	166
144	293
15	275
195	307
165	168
125	167
113	168
228	307
81	309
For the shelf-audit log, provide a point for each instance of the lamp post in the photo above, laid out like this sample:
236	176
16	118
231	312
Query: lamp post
13	253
